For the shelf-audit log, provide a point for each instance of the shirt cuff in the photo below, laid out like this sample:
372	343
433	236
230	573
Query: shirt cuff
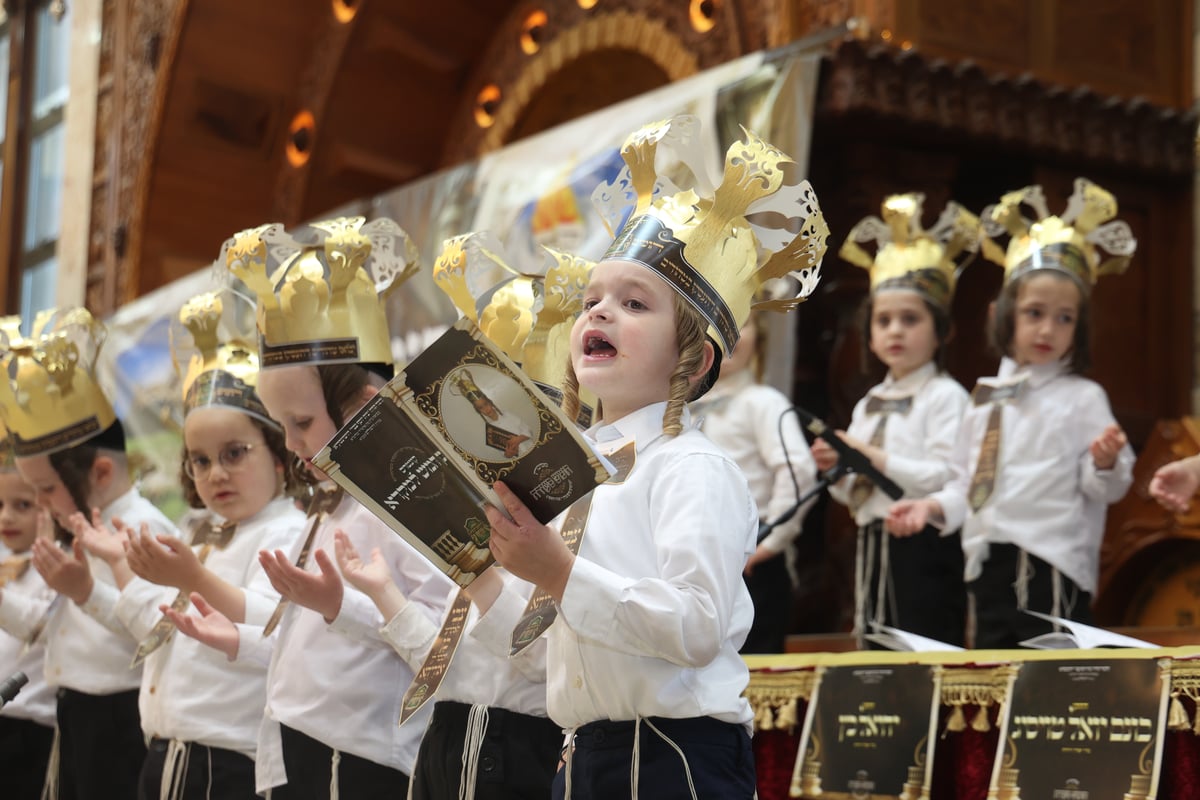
101	605
253	647
358	619
592	598
411	634
494	628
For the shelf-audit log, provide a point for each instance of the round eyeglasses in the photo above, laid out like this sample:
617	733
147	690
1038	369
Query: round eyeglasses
232	457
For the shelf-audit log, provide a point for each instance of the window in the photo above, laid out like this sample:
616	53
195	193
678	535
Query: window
34	55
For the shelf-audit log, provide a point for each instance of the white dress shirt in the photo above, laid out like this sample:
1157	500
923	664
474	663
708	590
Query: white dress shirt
476	675
919	444
190	691
1048	499
655	608
36	701
341	683
87	648
752	423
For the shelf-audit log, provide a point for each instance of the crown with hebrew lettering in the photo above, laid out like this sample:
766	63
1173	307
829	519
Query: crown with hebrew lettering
320	297
51	400
215	352
528	315
910	257
718	247
1075	243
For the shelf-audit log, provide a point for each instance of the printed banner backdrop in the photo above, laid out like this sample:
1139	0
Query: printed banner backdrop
536	191
1083	730
869	733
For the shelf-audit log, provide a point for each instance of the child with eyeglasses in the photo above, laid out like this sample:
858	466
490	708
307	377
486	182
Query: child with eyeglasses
200	714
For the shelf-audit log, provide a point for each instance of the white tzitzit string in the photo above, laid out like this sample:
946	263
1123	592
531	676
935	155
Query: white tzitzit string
175	767
334	762
477	721
635	768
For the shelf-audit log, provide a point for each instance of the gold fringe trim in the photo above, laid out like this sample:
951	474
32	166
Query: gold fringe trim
775	698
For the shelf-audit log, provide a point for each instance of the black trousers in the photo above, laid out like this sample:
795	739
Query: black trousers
309	765
770	588
24	753
719	759
100	745
210	772
924	592
517	759
999	624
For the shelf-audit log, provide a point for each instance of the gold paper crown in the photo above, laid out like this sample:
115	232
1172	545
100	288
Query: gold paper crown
702	240
321	301
528	316
51	400
1071	243
215	354
908	257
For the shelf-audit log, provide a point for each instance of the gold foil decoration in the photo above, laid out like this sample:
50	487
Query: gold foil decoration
51	400
909	257
1075	243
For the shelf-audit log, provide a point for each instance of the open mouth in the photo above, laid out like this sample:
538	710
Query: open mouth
596	345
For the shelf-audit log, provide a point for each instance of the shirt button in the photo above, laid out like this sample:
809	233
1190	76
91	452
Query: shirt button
578	682
487	763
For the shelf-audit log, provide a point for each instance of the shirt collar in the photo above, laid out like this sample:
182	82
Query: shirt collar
120	506
1036	375
907	386
642	426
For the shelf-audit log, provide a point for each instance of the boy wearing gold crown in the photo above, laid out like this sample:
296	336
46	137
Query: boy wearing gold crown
1039	456
27	721
334	687
489	737
643	666
907	424
71	448
201	714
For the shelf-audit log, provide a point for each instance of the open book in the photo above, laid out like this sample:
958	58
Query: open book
1078	635
906	641
423	453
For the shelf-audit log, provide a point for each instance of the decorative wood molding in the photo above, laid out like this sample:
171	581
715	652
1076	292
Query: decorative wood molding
953	100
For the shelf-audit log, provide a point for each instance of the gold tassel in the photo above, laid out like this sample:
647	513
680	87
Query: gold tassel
982	721
1177	719
764	720
957	723
1196	727
785	718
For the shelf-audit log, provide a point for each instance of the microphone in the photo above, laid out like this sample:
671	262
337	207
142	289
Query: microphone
10	687
849	458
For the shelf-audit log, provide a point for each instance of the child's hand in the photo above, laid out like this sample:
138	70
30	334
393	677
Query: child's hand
164	560
907	517
211	628
66	573
759	555
824	455
99	540
321	592
366	576
527	548
875	455
1174	484
45	525
1107	447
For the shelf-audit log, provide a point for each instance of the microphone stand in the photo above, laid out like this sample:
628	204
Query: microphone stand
824	481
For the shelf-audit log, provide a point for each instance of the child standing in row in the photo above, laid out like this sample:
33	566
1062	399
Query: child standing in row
26	722
643	666
70	447
1039	455
907	424
200	713
325	351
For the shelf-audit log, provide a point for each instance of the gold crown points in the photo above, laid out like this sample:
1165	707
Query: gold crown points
1072	242
528	315
50	399
214	332
907	255
760	230
320	295
463	385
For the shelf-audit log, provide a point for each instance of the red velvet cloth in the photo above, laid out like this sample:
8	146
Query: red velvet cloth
775	759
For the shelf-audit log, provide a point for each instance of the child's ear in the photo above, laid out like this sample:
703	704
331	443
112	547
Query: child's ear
705	363
102	472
